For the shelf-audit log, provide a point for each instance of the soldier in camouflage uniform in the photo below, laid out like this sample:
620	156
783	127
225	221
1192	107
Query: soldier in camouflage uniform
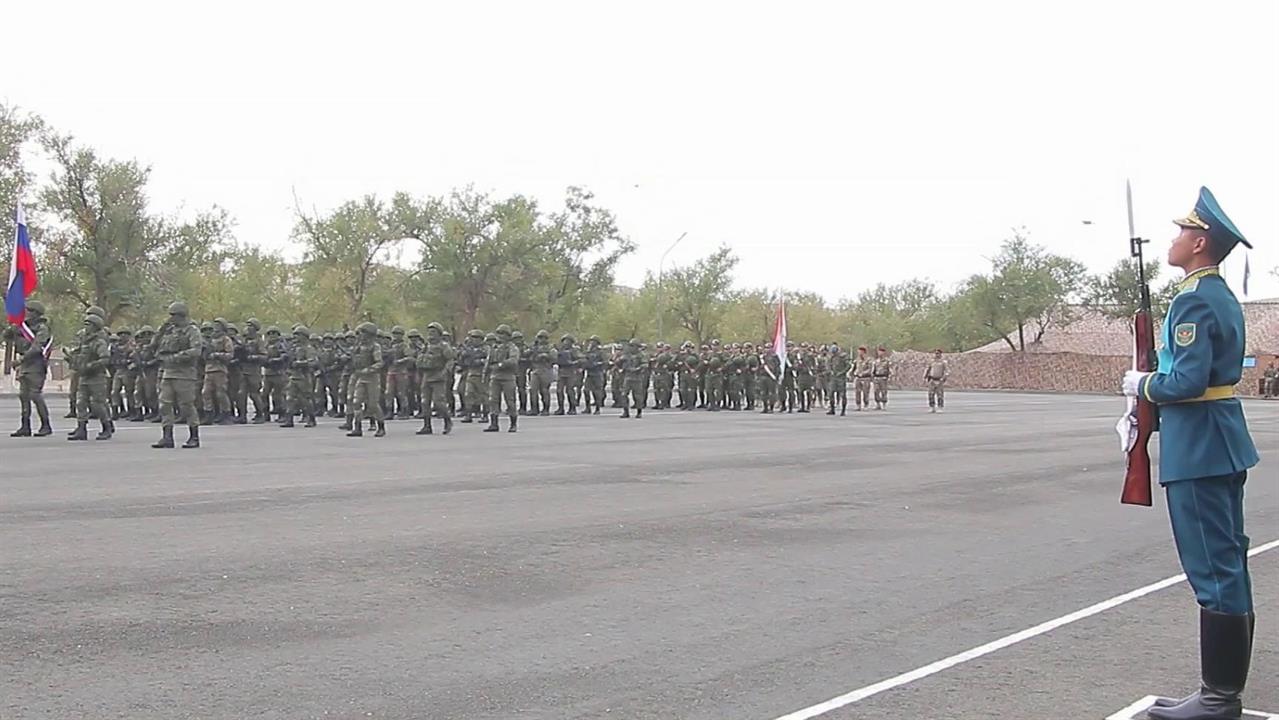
881	370
541	358
68	354
734	368
328	382
935	378
750	378
123	378
302	364
367	358
416	346
521	377
633	365
863	371
839	368
218	352
147	395
433	364
567	360
235	377
253	354
450	378
397	378
715	368
663	377
275	374
503	362
471	362
179	346
616	375
33	367
594	366
804	377
787	387
1270	381
770	368
93	356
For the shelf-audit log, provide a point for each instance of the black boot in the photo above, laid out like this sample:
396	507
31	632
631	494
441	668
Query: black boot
466	416
288	422
346	425
1169	702
166	440
24	429
310	421
448	423
357	428
381	429
639	412
514	424
81	431
108	429
44	429
492	423
1225	650
193	437
426	427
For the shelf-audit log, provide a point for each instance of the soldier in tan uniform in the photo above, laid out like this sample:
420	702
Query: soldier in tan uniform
863	366
935	377
1270	381
881	371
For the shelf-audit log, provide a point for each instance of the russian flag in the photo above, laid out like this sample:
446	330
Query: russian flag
22	277
779	332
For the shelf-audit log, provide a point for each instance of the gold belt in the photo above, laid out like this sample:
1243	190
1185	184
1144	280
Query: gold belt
1218	392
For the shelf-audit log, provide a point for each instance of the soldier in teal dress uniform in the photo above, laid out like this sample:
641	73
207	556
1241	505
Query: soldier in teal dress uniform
1205	454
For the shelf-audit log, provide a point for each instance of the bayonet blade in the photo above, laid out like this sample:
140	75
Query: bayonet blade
1132	229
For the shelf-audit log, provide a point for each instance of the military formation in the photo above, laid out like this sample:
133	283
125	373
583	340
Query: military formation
223	373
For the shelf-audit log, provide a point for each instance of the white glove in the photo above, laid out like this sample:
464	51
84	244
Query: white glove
1132	382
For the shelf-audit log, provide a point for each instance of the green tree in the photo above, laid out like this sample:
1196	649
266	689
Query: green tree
17	130
1117	293
698	296
345	248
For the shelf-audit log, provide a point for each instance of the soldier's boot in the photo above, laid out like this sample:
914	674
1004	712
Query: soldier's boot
448	424
166	439
466	417
374	423
381	429
226	418
45	429
572	408
639	412
108	429
560	409
843	408
288	421
492	423
426	427
258	419
81	431
832	409
357	429
24	429
546	411
310	420
193	437
515	421
1170	702
1225	647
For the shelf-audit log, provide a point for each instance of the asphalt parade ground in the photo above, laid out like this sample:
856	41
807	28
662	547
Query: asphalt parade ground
974	564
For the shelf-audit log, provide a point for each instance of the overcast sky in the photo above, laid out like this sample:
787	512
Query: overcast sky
831	145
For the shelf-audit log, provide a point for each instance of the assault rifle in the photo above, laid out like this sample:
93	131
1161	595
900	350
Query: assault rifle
1142	415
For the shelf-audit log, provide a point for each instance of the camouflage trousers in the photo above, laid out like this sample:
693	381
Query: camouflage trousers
861	392
397	393
594	390
299	396
539	391
937	393
273	390
714	391
31	392
435	398
632	394
146	392
475	395
250	388
837	388
177	399
521	390
123	386
566	386
881	391
73	391
216	397
92	397
502	389
767	392
663	389
687	390
366	398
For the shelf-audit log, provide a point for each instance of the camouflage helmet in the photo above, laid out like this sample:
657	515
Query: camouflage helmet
366	328
634	342
328	337
252	323
146	330
232	328
35	306
490	337
435	326
503	329
517	335
124	331
94	320
95	310
302	330
219	321
594	338
542	335
446	335
476	333
273	330
206	325
567	337
348	335
415	333
176	308
397	330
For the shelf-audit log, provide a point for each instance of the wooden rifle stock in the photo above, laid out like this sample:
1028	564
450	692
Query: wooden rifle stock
1137	479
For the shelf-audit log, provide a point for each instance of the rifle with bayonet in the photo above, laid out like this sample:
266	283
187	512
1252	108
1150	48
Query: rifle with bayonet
1142	415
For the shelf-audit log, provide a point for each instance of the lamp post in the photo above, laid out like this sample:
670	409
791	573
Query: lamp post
660	264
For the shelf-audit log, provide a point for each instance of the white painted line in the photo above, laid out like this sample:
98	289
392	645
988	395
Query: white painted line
933	668
1144	704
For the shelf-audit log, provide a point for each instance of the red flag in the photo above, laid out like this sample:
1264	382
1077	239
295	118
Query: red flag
779	332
